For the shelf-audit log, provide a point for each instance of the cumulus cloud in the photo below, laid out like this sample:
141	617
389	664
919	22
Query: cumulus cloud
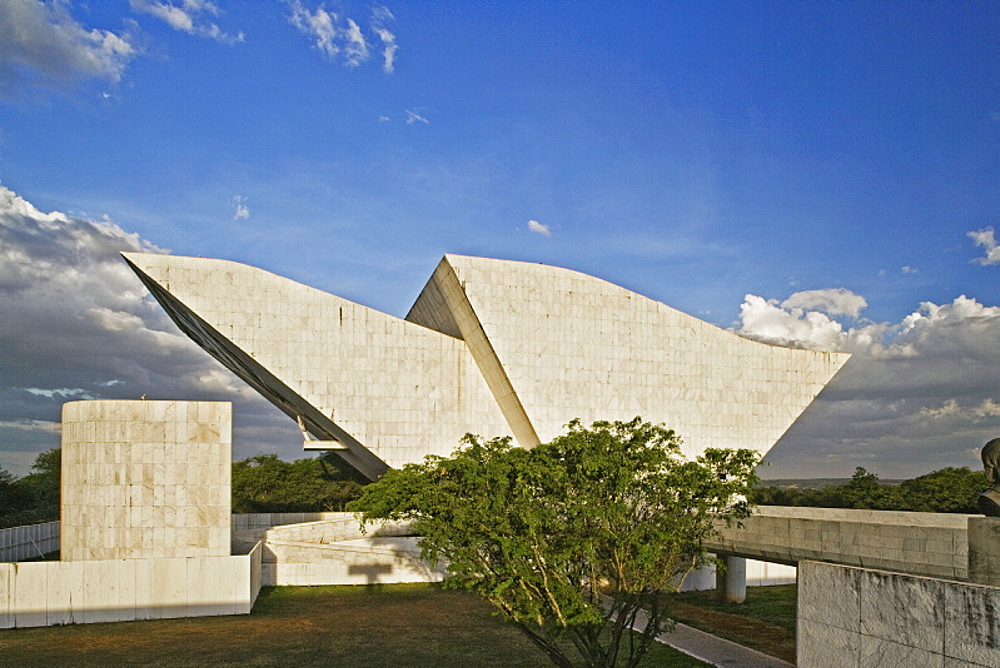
43	47
837	301
917	395
539	228
76	323
191	16
240	209
985	238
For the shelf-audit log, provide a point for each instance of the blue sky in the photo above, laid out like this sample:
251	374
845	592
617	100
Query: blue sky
837	162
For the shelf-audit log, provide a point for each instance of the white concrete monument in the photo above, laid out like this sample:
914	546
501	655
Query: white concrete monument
492	347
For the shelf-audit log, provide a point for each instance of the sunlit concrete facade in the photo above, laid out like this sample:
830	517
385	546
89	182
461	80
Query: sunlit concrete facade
144	479
492	347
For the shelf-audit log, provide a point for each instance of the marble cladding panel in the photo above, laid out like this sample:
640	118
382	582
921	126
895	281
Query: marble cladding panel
542	345
862	617
399	388
575	346
152	479
84	592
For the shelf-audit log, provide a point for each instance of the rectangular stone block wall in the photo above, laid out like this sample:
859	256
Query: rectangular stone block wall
931	544
143	479
50	593
984	550
853	617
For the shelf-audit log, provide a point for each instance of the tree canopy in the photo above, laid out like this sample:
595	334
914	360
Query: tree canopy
267	484
33	498
570	540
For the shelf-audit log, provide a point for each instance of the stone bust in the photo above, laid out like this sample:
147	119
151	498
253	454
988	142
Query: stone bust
989	501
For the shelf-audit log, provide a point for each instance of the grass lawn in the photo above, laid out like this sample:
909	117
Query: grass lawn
371	627
765	622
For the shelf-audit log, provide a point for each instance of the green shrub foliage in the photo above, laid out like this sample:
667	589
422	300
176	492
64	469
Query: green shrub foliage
570	540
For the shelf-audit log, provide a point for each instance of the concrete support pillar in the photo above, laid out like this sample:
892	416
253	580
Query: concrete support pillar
731	583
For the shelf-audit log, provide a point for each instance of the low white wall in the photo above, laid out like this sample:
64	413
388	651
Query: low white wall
336	551
48	593
29	541
853	617
255	521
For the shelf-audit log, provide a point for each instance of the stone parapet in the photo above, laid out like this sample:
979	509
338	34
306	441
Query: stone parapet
931	544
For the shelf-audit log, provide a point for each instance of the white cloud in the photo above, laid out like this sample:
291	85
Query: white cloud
916	396
75	322
43	47
189	17
837	301
985	238
909	270
240	209
413	117
951	409
380	17
341	38
539	228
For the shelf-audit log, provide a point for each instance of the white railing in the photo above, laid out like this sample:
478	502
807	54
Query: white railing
28	542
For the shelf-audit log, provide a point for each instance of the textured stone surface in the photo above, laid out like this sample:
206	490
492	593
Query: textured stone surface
984	550
491	347
145	479
860	617
821	645
934	544
886	598
47	593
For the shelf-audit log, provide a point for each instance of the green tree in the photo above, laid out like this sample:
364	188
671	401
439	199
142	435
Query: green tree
573	539
267	484
948	490
35	497
865	491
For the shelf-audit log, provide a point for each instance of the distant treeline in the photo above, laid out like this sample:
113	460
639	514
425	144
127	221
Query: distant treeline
948	490
261	484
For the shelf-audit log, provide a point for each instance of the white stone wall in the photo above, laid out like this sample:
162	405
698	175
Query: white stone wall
401	390
145	479
854	617
564	345
491	347
49	593
336	551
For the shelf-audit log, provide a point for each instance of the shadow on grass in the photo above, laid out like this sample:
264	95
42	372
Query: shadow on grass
370	626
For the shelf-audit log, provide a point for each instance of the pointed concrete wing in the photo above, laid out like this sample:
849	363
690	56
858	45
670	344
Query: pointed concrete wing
555	344
388	390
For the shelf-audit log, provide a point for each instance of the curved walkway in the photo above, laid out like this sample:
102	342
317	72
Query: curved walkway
718	651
